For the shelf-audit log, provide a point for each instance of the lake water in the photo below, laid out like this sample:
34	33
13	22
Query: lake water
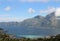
31	36
31	32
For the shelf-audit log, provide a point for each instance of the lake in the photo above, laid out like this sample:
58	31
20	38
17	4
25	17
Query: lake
31	32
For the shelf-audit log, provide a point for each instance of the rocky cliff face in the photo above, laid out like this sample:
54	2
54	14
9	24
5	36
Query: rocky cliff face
51	18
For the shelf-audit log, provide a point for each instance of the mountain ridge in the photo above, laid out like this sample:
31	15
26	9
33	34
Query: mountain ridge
37	25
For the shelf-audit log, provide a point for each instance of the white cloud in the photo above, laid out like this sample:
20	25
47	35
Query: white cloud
48	10
33	0
8	18
8	8
30	10
57	12
51	9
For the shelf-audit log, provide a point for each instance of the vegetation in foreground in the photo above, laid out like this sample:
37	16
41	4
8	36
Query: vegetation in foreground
7	37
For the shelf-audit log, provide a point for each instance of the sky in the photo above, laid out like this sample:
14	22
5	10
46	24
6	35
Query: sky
18	10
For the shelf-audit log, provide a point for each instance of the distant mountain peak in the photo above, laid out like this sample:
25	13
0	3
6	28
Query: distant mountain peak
52	14
49	15
38	16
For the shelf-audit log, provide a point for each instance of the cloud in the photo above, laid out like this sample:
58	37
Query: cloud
8	8
9	18
48	10
33	0
51	9
30	10
57	12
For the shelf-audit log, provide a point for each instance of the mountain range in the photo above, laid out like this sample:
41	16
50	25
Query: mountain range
37	25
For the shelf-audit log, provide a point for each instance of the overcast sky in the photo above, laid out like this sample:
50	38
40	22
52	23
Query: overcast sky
18	10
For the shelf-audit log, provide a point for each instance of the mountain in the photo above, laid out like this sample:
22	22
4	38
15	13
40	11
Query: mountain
51	19
37	25
33	22
39	21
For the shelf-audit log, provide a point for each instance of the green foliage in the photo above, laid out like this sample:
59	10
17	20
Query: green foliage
6	37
